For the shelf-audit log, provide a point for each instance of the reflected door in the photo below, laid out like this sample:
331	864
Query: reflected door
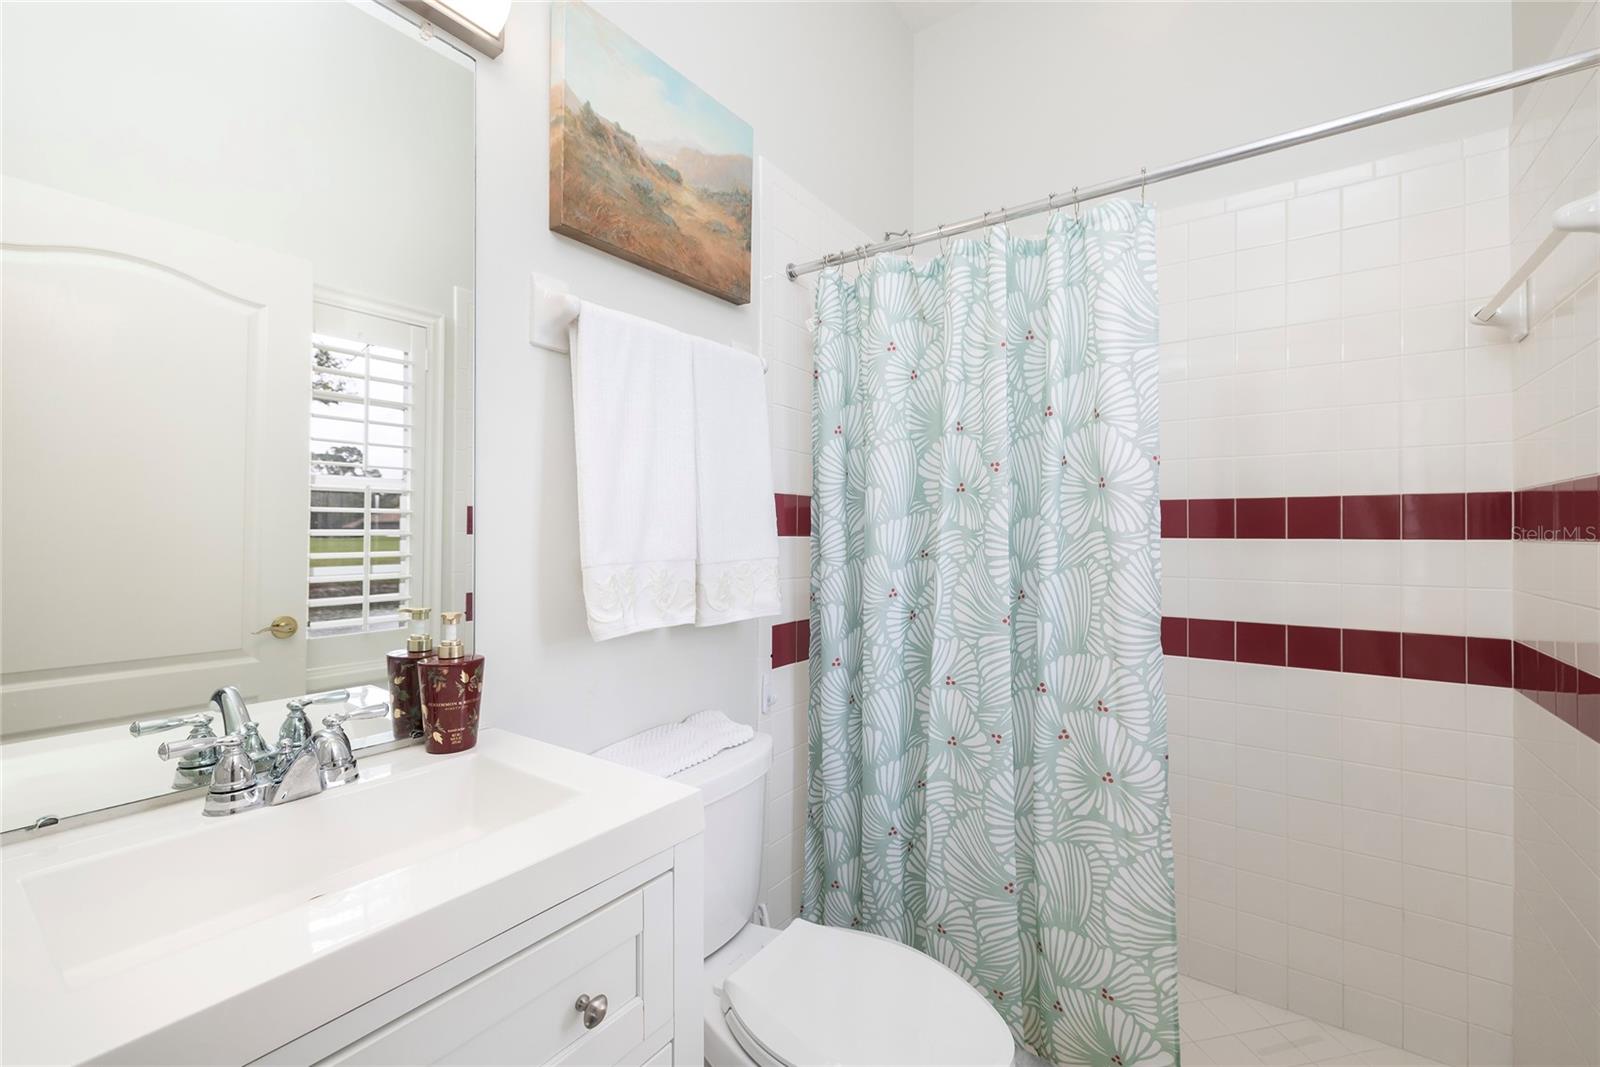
154	388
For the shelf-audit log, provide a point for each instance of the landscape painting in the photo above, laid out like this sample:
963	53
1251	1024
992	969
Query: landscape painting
643	164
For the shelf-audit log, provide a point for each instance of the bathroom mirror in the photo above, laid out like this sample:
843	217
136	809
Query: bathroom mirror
236	370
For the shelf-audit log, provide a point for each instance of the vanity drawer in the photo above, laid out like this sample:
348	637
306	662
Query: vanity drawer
522	1011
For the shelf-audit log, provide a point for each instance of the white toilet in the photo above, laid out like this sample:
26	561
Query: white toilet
810	994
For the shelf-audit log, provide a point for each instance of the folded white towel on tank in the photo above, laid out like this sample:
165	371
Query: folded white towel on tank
677	746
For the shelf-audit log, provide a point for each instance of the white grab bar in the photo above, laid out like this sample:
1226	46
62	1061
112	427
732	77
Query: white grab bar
1580	216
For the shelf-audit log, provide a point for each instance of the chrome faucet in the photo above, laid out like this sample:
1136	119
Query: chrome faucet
236	720
238	784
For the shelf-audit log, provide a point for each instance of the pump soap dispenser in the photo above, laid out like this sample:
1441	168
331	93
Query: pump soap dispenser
405	690
452	687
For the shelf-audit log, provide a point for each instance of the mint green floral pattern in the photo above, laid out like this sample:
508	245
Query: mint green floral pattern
988	728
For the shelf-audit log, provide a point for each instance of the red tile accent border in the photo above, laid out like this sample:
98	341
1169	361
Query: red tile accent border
469	520
1174	636
1372	652
1314	517
1434	657
467	610
1564	511
1174	518
1315	648
1261	642
791	642
1260	517
1564	690
1489	516
1211	518
1433	516
794	514
1211	639
1489	661
1372	518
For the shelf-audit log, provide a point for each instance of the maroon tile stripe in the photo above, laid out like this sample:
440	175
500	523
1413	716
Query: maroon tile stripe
1561	511
1567	511
791	642
1555	684
794	514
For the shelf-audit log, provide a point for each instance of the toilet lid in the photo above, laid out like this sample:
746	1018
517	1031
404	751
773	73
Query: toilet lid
819	995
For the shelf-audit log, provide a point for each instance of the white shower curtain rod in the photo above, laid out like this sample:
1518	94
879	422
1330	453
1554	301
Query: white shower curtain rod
1405	108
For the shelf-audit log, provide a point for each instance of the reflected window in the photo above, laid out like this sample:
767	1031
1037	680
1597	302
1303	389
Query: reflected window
363	518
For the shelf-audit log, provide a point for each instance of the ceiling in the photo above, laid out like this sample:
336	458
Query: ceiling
918	15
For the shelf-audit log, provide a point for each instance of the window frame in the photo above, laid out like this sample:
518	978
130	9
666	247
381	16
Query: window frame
336	660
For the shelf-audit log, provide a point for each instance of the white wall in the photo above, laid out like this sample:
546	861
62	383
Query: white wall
1015	101
824	86
309	129
1555	158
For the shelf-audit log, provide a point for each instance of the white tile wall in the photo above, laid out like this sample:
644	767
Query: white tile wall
1554	157
1343	841
794	226
1316	343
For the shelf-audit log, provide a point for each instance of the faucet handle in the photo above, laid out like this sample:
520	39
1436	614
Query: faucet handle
154	726
296	728
336	696
191	745
369	711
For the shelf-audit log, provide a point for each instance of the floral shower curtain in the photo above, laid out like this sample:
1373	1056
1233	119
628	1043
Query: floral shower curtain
988	728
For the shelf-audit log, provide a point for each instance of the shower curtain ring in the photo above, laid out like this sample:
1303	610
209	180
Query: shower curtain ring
1144	179
1075	205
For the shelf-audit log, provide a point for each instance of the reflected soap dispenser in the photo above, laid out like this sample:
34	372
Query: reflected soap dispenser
452	687
405	690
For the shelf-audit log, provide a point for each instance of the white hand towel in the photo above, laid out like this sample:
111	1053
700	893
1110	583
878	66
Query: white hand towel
633	421
677	746
736	576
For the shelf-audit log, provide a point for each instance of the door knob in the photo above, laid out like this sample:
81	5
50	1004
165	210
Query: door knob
593	1009
283	627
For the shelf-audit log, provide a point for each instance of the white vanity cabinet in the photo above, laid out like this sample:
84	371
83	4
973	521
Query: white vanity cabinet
436	910
514	999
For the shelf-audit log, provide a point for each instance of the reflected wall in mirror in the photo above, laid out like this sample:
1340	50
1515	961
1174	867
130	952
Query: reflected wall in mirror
236	361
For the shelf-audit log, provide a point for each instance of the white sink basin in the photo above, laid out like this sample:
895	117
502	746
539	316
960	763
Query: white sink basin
164	929
269	859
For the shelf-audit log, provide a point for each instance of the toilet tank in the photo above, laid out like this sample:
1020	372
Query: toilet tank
733	787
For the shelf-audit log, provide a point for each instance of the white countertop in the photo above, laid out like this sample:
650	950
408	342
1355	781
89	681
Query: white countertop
233	989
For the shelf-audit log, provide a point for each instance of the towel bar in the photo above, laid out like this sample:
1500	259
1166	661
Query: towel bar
1580	216
552	308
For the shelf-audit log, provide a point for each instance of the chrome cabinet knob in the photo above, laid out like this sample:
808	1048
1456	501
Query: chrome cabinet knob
593	1009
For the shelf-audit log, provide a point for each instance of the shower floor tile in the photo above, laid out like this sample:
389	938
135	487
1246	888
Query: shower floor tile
1228	1030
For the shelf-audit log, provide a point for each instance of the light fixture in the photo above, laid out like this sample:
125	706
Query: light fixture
478	23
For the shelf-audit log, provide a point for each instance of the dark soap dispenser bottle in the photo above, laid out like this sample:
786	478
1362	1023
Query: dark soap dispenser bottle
405	688
452	688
